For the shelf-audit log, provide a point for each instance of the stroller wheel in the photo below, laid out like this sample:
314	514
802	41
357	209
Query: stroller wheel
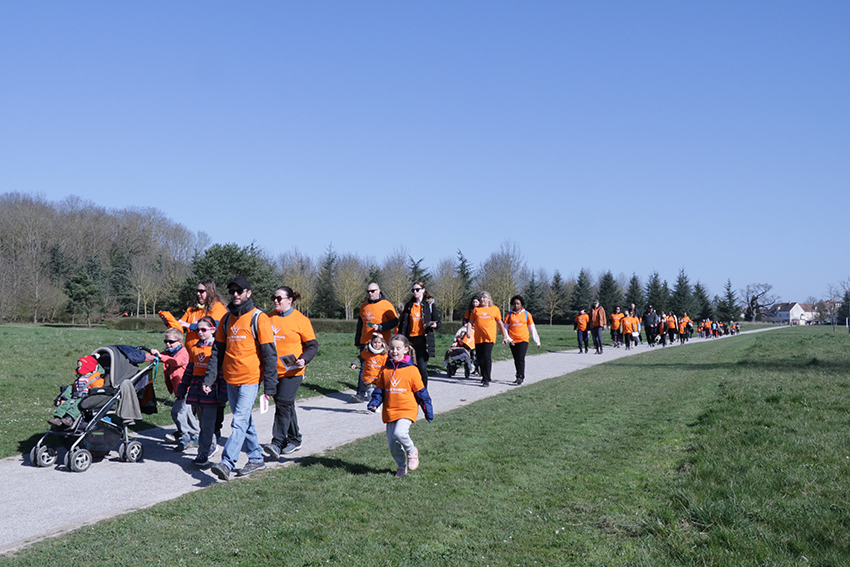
45	456
450	370
80	460
33	451
132	452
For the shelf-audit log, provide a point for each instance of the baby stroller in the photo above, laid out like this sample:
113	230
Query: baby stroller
105	413
459	354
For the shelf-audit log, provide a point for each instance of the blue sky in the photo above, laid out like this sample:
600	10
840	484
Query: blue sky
630	136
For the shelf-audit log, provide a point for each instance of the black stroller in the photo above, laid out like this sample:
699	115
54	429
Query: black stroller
105	413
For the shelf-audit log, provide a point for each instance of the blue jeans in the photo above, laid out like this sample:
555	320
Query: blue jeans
243	436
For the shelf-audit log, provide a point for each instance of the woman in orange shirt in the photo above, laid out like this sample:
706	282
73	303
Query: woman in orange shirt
520	323
419	319
485	319
399	388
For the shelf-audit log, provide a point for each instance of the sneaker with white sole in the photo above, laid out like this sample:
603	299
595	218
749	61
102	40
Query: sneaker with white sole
252	467
413	459
201	460
401	471
291	448
172	437
272	450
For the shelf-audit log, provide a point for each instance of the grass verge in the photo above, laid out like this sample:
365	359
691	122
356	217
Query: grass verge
731	452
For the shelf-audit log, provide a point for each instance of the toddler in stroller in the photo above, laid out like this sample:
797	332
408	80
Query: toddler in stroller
89	377
460	353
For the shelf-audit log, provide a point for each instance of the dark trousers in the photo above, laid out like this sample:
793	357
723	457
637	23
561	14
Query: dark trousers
597	338
420	347
518	350
582	339
285	429
484	357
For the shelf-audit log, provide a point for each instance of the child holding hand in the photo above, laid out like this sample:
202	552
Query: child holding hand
371	359
399	388
174	359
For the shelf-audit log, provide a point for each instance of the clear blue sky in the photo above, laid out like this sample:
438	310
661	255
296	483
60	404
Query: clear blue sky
630	136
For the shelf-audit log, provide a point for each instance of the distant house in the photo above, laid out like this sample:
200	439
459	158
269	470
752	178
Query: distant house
792	313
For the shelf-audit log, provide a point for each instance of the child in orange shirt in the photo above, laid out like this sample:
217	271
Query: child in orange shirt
371	360
399	388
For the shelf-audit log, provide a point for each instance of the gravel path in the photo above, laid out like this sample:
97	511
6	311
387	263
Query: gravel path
44	502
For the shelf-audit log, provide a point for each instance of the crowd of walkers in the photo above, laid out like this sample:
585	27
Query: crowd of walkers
232	351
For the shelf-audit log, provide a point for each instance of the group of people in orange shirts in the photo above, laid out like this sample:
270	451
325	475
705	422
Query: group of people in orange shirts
626	327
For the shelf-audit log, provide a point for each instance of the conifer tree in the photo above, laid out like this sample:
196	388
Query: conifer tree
609	294
582	295
634	294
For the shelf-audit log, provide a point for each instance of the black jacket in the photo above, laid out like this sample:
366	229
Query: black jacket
430	313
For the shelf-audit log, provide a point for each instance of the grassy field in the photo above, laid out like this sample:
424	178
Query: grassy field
37	360
731	452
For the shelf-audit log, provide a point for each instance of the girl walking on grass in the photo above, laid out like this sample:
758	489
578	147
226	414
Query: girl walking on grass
399	388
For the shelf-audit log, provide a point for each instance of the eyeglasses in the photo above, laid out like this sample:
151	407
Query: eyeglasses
235	291
170	341
415	289
373	290
278	298
200	291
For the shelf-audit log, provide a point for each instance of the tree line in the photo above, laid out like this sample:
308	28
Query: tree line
73	260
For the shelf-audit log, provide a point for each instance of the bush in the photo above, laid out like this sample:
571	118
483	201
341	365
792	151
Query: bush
135	324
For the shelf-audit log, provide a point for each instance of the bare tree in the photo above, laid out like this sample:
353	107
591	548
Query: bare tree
349	282
503	274
757	298
447	287
300	273
395	278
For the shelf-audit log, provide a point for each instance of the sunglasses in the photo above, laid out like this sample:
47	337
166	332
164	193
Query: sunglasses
200	291
235	291
415	289
170	341
373	290
205	329
278	298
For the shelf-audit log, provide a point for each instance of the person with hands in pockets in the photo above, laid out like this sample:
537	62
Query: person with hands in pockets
400	390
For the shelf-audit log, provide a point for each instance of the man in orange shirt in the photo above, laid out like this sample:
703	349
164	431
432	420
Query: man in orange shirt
616	334
597	322
581	324
244	352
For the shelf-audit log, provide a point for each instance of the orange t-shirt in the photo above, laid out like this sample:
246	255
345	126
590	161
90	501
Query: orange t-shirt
484	320
376	313
517	324
628	324
241	364
199	356
582	321
195	314
417	327
598	317
398	385
290	334
372	364
616	318
682	325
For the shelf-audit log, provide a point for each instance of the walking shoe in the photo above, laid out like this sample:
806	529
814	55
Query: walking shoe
272	450
357	399
222	471
413	459
201	460
400	471
216	449
485	383
186	442
517	382
291	448
251	467
172	437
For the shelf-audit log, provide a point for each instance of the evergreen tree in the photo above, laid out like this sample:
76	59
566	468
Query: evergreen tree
533	294
681	301
582	294
702	304
727	307
418	273
326	304
84	295
464	272
634	294
223	262
555	298
655	295
844	308
609	294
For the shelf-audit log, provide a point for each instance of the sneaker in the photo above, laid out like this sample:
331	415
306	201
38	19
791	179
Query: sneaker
413	459
517	382
222	471
183	444
272	450
56	421
172	437
252	467
217	449
291	448
201	460
485	383
401	471
357	399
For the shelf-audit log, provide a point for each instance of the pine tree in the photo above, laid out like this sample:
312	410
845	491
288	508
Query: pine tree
609	294
727	308
326	304
682	301
533	294
418	273
582	294
702	304
634	295
655	293
464	272
555	298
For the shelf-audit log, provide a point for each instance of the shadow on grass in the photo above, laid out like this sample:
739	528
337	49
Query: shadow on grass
782	364
350	468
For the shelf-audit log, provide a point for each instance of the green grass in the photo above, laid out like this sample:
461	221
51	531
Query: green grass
38	359
731	452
